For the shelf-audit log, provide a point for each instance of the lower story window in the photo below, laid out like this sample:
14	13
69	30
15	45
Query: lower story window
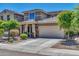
1	17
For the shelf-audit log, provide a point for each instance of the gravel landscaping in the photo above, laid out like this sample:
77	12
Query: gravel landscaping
70	46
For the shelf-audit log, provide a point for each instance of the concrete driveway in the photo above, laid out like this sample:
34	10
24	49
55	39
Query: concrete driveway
31	45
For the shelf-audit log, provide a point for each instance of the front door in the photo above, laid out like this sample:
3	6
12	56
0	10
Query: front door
30	30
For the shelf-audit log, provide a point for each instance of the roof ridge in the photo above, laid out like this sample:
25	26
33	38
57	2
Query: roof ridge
11	11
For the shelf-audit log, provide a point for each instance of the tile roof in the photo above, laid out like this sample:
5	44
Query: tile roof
7	10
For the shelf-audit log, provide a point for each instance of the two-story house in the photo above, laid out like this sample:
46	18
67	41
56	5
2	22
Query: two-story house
41	24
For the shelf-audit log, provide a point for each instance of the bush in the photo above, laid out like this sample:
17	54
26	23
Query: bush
23	36
14	32
25	32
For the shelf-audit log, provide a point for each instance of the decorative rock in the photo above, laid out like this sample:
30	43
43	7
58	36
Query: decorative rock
77	39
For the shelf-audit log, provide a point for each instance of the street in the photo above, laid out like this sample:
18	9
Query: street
4	52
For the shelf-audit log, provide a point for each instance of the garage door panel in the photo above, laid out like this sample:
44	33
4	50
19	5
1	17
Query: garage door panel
50	31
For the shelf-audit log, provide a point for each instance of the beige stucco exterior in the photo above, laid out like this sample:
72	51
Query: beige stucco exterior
33	29
42	15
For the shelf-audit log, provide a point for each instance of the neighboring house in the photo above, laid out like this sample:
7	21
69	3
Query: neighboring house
11	15
41	24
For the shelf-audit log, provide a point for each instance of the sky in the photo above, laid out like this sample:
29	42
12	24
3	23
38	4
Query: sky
20	7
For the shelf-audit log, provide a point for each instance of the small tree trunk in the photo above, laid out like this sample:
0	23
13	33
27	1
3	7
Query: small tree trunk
8	35
68	36
13	37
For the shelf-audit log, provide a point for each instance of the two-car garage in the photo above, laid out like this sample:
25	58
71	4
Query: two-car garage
50	31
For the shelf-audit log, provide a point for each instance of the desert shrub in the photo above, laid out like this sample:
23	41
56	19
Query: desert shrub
23	36
14	32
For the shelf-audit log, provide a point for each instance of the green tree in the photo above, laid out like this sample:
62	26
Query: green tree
1	21
64	21
1	32
75	21
1	29
11	24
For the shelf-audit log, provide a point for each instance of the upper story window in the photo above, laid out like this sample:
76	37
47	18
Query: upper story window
32	16
2	18
8	17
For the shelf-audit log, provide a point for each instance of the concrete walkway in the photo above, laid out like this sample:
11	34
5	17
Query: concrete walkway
39	46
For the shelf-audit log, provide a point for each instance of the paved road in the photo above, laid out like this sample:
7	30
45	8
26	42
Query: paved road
4	52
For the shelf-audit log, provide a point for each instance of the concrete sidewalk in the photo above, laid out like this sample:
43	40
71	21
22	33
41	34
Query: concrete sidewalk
59	52
4	52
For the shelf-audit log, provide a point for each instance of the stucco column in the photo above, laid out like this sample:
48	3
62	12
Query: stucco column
26	28
33	29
